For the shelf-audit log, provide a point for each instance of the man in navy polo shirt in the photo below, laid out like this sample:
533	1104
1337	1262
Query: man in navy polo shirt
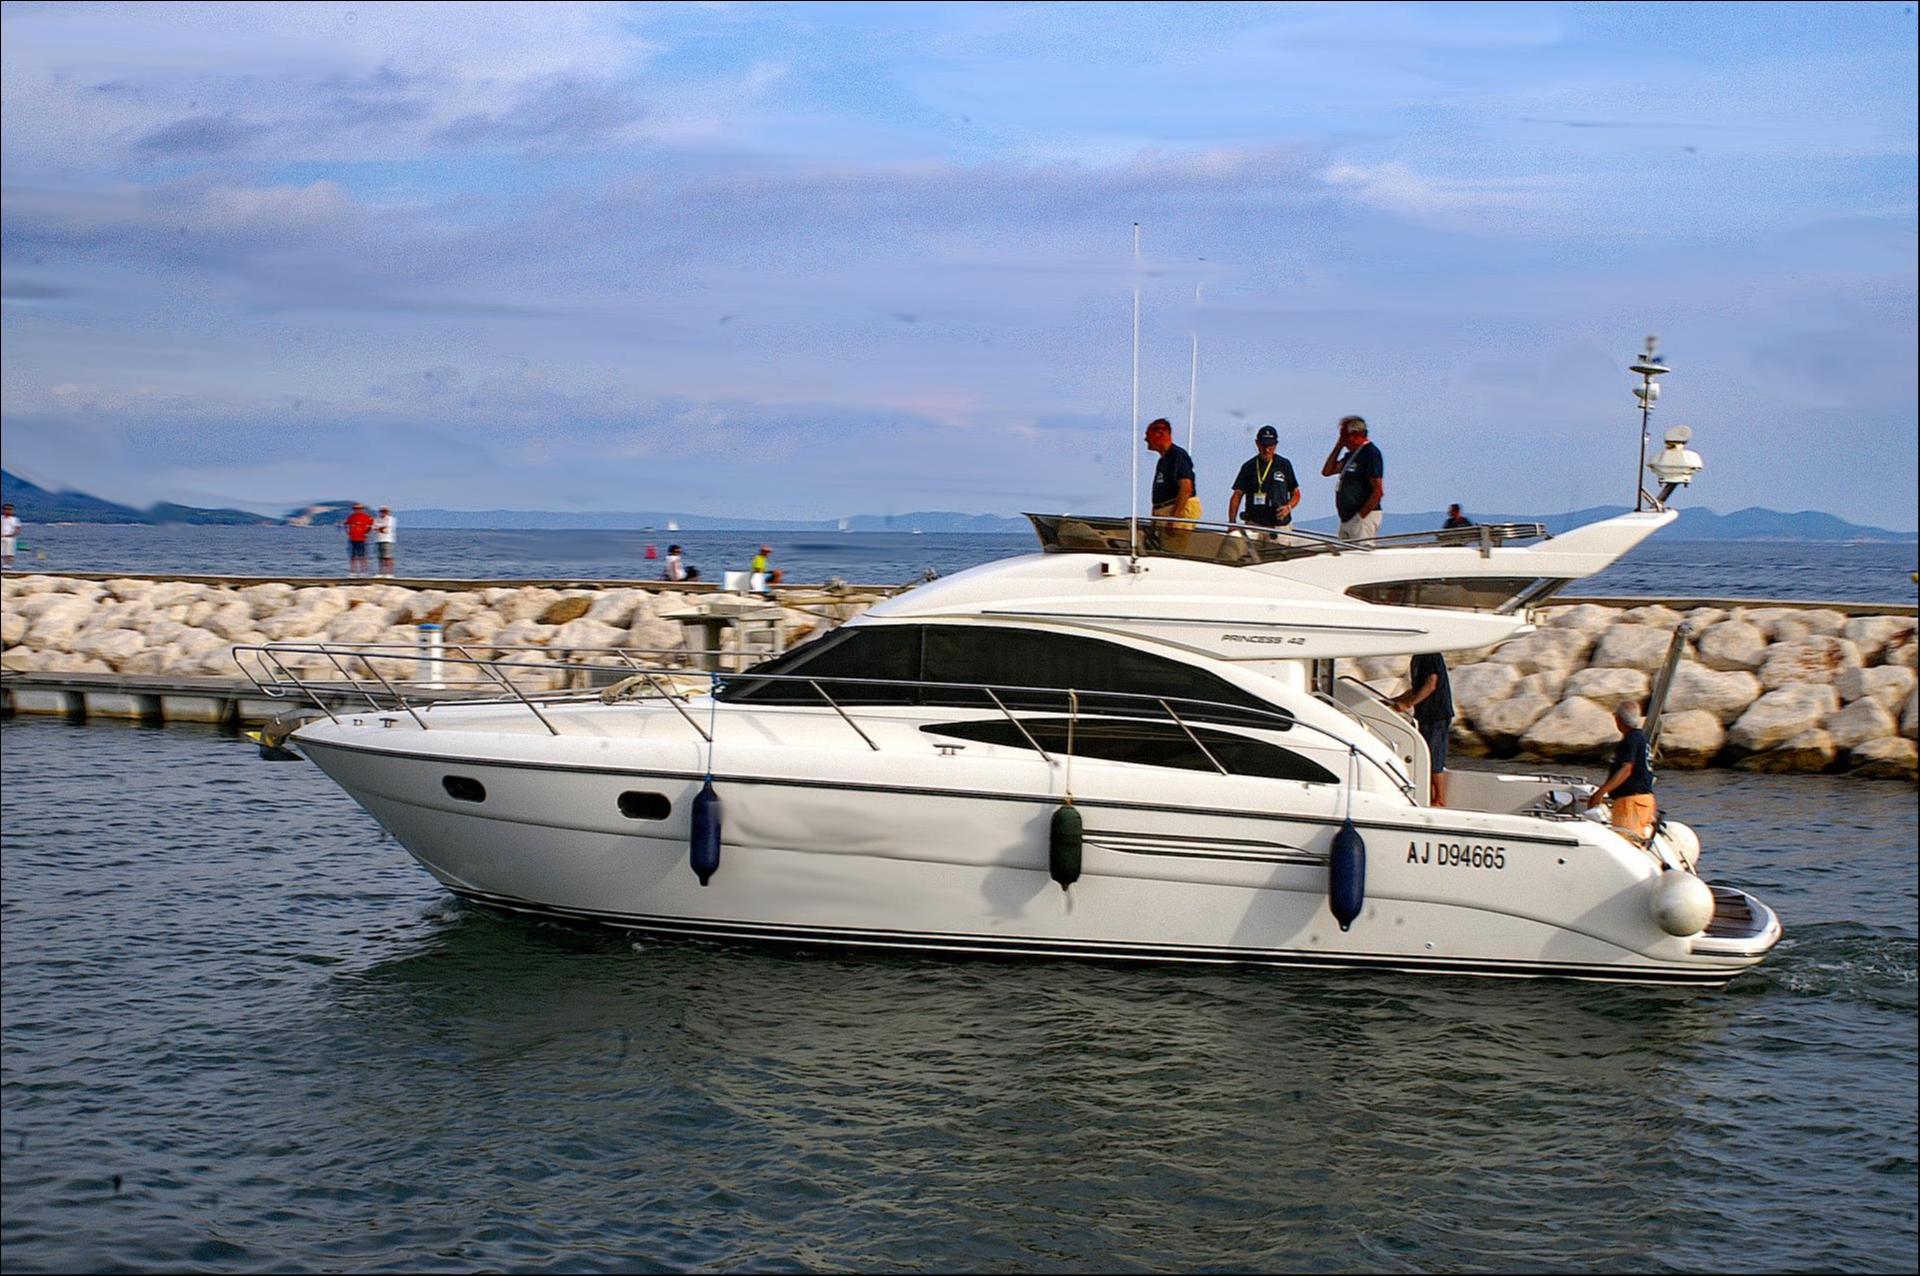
1267	485
1173	485
1362	487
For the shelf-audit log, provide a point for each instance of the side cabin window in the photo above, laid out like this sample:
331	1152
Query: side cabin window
1045	665
1463	593
1161	744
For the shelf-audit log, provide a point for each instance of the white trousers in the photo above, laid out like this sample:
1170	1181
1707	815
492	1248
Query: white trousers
1361	527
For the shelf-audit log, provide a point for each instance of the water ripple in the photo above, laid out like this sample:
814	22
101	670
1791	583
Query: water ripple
241	1031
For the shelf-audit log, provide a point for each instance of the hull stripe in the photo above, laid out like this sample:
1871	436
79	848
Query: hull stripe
1102	949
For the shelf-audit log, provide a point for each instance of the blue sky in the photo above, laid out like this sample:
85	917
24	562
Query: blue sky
815	260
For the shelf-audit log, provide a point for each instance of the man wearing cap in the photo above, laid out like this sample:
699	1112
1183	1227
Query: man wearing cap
1266	484
1362	486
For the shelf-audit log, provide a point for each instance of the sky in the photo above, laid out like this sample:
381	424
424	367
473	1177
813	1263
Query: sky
815	260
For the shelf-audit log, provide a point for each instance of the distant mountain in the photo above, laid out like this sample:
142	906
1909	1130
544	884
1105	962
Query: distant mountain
34	504
597	520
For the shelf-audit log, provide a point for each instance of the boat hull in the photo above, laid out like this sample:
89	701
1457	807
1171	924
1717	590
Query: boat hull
892	862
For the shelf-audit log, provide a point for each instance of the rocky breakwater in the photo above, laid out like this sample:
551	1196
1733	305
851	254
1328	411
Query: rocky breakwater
163	627
1762	688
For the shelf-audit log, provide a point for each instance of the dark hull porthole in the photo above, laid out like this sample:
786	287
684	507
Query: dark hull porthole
645	806
464	788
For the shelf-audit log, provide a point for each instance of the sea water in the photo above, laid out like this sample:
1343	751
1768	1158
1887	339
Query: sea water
243	1031
1869	572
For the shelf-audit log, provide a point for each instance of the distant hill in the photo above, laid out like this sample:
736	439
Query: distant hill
34	504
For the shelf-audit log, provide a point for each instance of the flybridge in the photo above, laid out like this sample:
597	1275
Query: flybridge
1231	545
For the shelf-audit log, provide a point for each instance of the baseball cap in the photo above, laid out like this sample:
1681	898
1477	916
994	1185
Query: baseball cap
1266	435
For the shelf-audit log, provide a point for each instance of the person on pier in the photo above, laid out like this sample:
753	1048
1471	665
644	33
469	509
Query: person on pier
358	524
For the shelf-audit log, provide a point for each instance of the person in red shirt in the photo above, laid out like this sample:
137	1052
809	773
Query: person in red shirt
358	524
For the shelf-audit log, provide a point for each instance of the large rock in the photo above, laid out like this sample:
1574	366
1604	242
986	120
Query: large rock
584	633
1548	683
1658	615
1807	623
1609	687
1806	753
1625	646
109	645
1723	693
229	620
23	659
13	629
1767	617
425	606
1888	759
523	633
1874	634
566	608
1735	644
1705	618
1901	653
128	589
655	635
1559	650
523	604
1575	729
1889	684
1778	716
480	628
265	600
365	622
1691	738
169	593
309	611
1587	617
1910	717
615	606
1859	722
1380	669
1464	741
1476	685
57	623
1808	660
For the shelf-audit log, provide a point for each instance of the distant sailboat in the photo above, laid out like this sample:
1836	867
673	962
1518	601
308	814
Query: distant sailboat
845	526
672	526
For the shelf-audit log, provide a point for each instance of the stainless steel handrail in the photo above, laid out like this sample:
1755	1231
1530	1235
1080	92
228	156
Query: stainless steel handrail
1143	704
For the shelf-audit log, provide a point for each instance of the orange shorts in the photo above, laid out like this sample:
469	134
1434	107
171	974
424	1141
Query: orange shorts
1635	814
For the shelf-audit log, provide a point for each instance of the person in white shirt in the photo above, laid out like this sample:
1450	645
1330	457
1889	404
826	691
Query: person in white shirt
676	568
9	533
383	540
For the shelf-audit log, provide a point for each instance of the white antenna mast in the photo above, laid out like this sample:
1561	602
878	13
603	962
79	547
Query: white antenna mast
1193	375
1133	444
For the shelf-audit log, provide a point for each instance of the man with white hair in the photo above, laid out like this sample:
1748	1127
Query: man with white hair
1631	784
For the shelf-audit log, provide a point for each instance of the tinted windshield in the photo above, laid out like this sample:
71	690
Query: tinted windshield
911	656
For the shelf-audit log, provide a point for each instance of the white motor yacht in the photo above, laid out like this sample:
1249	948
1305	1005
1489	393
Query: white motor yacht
1129	745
